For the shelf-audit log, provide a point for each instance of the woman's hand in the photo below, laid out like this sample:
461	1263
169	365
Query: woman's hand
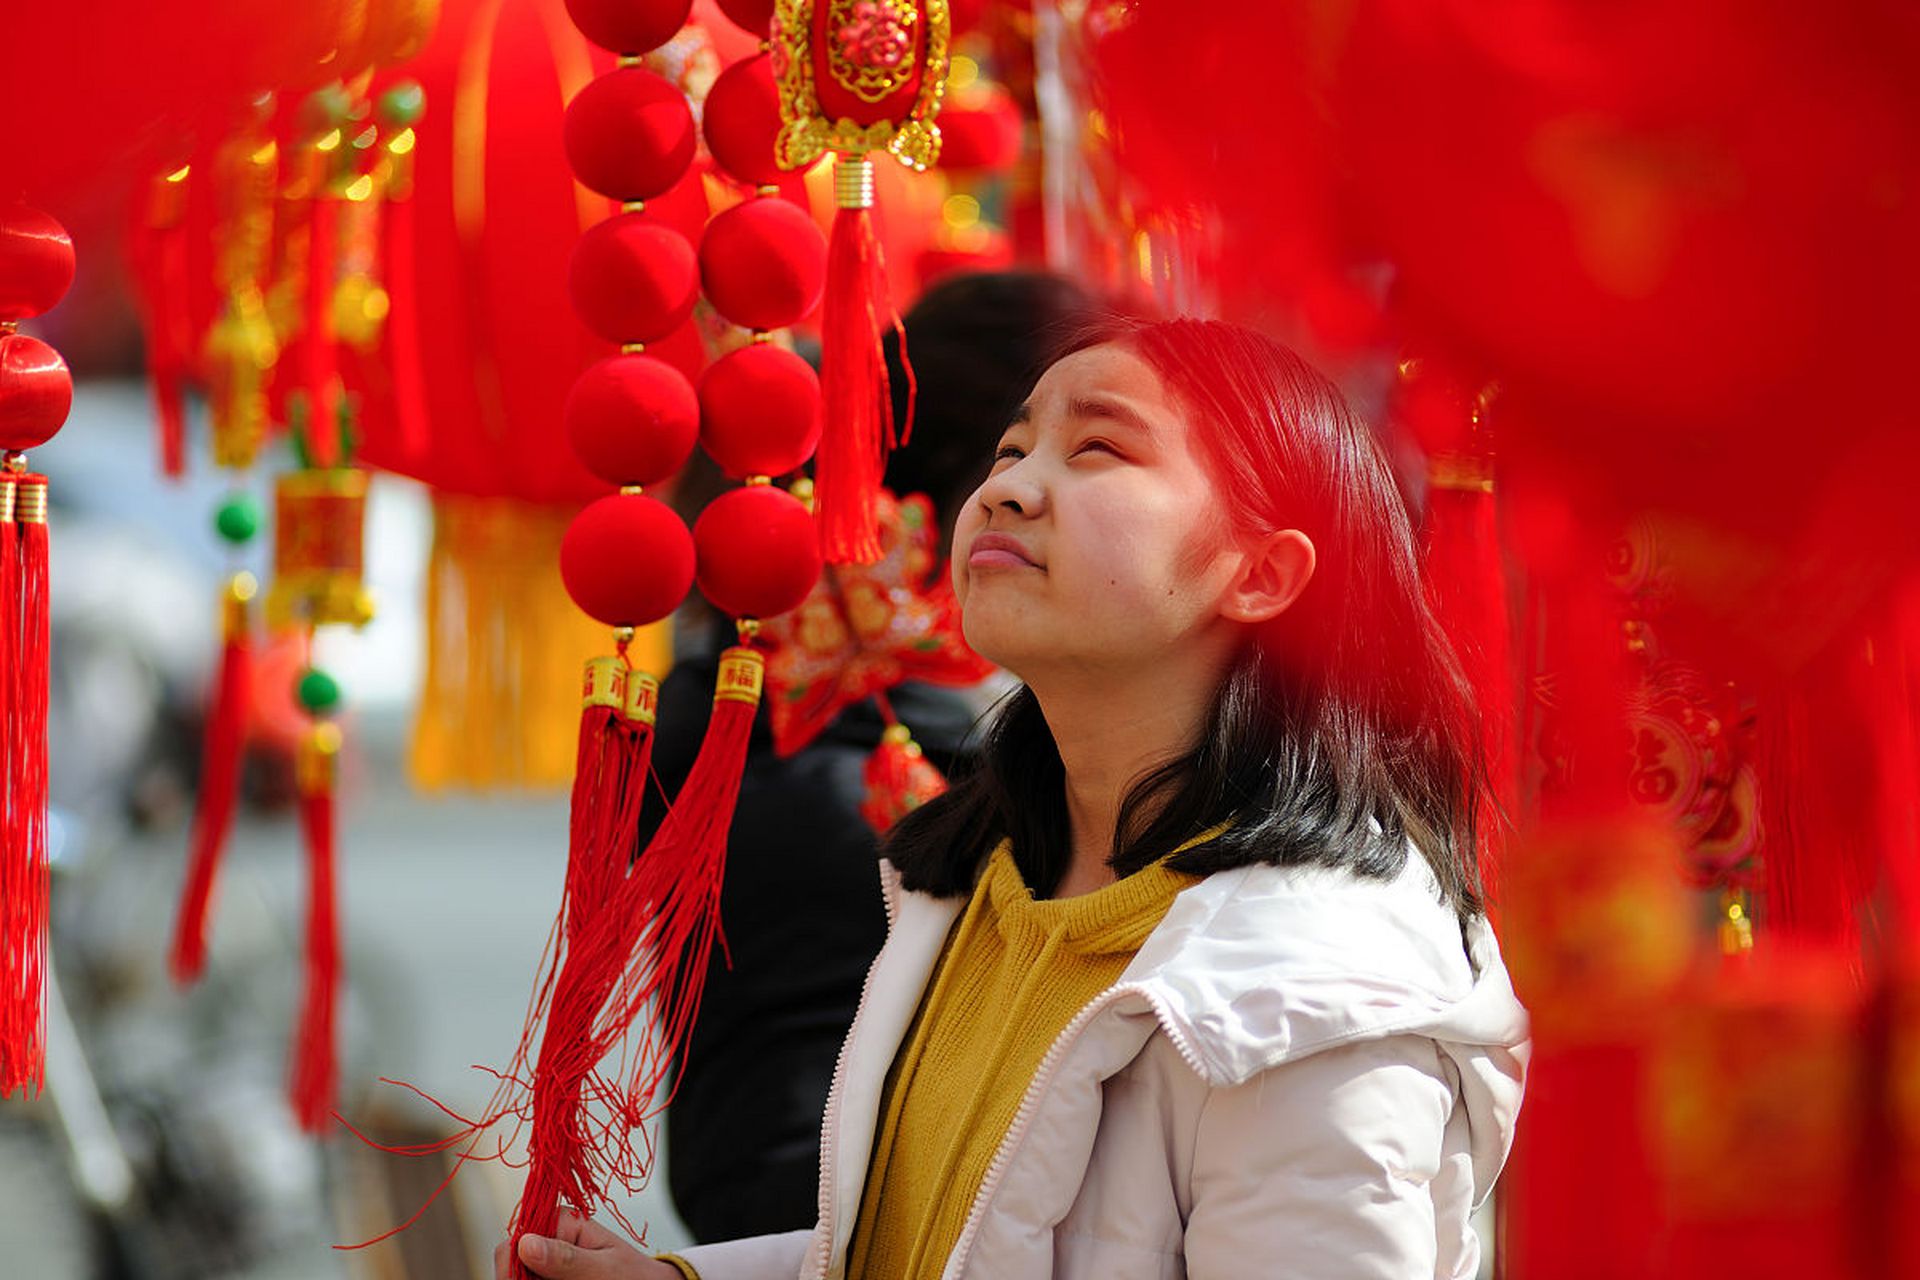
583	1250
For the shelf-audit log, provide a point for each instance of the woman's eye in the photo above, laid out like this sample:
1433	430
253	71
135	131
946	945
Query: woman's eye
1096	446
1007	451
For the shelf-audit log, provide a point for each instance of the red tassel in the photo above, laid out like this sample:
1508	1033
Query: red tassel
858	413
160	260
315	1068
219	779
569	1157
23	846
897	778
319	358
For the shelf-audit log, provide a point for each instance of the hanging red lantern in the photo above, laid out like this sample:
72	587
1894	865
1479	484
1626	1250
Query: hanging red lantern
763	264
629	134
759	411
36	263
857	76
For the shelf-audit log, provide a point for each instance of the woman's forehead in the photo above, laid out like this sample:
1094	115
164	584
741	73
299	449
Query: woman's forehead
1110	367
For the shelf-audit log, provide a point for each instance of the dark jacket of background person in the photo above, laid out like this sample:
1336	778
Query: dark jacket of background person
803	917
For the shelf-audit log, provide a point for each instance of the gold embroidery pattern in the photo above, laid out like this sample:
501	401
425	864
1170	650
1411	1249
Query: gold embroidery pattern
806	134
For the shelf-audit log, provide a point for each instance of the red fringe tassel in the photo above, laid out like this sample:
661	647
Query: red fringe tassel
24	880
220	761
315	1069
319	356
858	403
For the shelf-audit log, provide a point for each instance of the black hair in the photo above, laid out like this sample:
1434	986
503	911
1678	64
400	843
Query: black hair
1344	729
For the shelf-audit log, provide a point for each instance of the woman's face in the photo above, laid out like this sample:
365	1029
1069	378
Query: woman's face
1098	540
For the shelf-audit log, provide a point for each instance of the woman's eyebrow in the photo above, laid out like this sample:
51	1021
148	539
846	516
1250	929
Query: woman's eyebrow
1112	410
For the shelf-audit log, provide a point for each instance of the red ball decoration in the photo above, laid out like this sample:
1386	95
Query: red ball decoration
36	391
764	263
759	551
629	26
632	419
632	279
627	560
36	263
741	120
755	16
629	134
759	411
982	136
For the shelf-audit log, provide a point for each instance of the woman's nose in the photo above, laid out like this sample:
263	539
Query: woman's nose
1016	489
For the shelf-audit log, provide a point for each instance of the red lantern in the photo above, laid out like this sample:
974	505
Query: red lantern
627	560
760	411
741	120
763	263
629	134
632	279
632	419
757	550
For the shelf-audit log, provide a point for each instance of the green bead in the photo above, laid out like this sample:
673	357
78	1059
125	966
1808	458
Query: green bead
319	692
402	105
238	518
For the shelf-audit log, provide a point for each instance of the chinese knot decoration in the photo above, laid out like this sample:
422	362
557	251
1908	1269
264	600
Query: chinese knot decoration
854	77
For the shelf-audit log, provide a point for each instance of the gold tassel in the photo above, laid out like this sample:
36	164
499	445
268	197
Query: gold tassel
504	648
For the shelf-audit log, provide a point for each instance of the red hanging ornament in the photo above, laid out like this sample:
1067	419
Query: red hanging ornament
36	392
752	16
632	419
629	134
857	76
757	552
315	1069
897	778
759	411
627	560
159	256
629	26
763	264
741	119
219	789
633	279
36	264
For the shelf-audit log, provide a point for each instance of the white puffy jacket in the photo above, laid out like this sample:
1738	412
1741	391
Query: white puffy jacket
1299	1075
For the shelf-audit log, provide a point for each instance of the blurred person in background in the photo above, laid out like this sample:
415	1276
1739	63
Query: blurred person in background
800	905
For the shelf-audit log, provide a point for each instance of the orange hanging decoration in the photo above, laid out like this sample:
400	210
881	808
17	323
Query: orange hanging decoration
857	76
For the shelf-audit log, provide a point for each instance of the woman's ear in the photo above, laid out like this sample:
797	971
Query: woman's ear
1276	571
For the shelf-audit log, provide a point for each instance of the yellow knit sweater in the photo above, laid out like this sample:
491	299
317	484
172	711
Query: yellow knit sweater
1015	971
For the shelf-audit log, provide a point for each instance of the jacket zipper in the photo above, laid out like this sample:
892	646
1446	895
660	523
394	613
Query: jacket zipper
829	1122
1023	1116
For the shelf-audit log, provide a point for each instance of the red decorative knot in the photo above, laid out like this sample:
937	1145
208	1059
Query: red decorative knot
629	26
742	118
758	552
36	392
764	263
759	411
36	263
632	419
873	37
627	560
629	135
756	16
633	279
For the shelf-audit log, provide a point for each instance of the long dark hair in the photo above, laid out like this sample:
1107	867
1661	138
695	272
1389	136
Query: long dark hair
1343	731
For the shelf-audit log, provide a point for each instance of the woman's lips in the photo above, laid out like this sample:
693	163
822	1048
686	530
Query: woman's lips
998	551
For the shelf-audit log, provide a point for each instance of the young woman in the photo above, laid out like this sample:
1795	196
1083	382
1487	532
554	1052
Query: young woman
1191	977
